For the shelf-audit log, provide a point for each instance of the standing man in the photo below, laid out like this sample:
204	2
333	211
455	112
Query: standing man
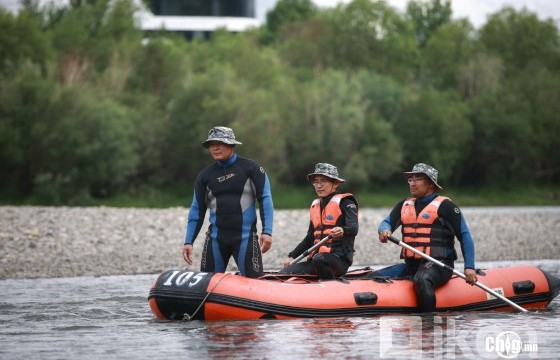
229	189
334	214
430	223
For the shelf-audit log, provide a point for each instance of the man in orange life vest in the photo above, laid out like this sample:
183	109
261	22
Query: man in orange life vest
430	222
334	214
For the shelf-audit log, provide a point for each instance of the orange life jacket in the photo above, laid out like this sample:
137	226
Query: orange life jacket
426	231
323	222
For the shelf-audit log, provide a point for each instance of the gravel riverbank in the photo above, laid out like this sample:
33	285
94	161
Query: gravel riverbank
37	242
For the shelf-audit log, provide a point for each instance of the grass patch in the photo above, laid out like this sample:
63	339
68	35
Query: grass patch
300	197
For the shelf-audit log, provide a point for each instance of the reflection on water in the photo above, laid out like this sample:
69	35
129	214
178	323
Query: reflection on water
109	318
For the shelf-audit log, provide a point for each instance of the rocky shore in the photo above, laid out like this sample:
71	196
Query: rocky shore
39	242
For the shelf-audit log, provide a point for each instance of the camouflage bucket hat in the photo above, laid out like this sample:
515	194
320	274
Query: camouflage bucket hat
327	170
427	170
222	134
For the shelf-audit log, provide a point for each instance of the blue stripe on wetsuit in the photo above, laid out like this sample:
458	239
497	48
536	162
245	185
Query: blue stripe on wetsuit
267	210
192	221
467	244
248	219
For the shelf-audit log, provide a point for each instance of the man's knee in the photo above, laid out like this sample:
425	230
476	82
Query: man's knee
322	266
423	282
319	260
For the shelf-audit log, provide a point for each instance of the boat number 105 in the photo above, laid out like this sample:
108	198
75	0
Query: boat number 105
184	278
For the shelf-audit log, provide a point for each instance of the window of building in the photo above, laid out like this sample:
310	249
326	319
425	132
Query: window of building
225	8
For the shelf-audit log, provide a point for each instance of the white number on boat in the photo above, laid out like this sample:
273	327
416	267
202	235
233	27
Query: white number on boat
184	278
197	278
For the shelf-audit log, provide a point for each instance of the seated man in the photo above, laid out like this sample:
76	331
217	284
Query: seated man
430	223
334	214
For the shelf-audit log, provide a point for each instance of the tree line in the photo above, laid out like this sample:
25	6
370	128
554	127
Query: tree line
90	105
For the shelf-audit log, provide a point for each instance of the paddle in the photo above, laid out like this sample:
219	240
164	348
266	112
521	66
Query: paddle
311	249
459	274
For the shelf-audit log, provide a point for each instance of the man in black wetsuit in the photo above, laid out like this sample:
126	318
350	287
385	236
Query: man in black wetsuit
229	189
334	214
429	222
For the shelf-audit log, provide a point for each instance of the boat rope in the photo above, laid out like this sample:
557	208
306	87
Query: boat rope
190	317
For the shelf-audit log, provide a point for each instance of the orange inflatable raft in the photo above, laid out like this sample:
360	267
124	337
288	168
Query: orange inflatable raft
185	294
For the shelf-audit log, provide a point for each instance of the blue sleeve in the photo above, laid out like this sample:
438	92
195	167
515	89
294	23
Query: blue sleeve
385	225
467	244
393	220
266	208
197	211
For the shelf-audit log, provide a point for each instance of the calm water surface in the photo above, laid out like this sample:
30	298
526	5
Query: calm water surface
109	318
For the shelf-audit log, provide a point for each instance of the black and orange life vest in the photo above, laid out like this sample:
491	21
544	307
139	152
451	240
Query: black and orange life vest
426	231
324	221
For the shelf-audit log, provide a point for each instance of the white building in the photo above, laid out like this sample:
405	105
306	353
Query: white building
198	18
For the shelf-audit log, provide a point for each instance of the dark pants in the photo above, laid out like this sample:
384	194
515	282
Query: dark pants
325	265
426	277
246	253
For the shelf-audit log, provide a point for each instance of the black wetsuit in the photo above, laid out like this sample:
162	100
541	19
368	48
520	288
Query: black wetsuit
229	190
336	262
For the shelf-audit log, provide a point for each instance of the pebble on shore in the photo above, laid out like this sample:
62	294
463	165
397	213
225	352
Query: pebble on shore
43	242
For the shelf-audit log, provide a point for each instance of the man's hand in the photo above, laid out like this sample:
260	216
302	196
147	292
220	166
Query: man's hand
384	235
187	253
266	242
288	261
337	232
470	276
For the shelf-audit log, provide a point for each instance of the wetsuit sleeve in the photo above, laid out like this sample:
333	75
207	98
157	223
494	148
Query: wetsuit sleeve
305	244
264	197
393	220
350	211
197	211
451	213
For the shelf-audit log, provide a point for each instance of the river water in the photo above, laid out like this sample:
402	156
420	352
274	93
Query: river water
109	318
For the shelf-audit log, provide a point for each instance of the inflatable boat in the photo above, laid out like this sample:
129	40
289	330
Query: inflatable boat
185	294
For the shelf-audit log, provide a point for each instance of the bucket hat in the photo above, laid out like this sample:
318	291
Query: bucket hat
222	134
427	170
327	170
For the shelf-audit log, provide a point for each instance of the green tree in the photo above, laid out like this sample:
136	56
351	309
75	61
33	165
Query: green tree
427	17
519	38
304	47
481	74
162	64
25	97
541	90
329	114
503	138
289	11
371	35
380	152
21	40
91	35
87	147
448	50
435	128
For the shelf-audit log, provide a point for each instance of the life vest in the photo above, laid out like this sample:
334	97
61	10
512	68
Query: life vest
426	231
323	222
